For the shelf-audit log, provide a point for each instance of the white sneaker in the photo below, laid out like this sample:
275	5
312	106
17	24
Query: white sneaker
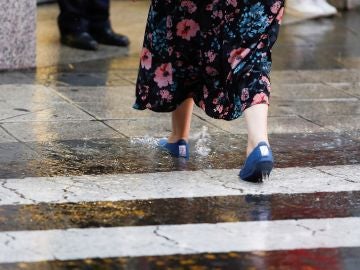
326	7
303	8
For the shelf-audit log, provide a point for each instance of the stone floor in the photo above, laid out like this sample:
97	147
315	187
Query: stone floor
83	186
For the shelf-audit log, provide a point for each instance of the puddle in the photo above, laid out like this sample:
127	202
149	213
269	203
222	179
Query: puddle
141	155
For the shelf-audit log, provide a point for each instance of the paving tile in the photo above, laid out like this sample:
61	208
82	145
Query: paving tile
352	88
82	79
15	78
52	131
346	172
285	76
303	59
102	94
7	111
106	102
129	75
339	123
33	102
55	112
29	96
331	76
15	152
306	91
282	125
158	126
312	109
5	137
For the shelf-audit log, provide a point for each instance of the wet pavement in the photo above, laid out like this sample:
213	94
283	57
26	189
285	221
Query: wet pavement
140	155
335	259
179	211
68	128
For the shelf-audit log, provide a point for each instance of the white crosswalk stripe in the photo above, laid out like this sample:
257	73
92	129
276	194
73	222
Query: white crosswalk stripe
175	185
32	246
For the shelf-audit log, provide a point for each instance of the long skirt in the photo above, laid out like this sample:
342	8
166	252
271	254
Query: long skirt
217	52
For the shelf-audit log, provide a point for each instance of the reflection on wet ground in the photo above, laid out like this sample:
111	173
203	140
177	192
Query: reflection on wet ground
179	211
334	259
105	156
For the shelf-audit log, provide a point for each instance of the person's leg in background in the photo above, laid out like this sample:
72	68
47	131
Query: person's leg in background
310	8
73	25
98	16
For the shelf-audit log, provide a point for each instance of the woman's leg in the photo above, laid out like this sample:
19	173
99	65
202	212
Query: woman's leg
256	121
181	121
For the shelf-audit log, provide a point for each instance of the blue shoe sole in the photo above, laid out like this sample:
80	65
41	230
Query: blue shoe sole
260	172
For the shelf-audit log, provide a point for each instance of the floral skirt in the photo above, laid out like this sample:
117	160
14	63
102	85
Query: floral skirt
216	51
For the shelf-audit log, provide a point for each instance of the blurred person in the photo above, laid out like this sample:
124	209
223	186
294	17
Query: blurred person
310	8
83	24
217	55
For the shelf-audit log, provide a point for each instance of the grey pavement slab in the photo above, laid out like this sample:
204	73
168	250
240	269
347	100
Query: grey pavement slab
349	173
288	59
129	75
339	123
102	94
276	125
5	137
88	79
8	111
158	126
286	77
52	131
307	91
81	75
106	102
28	96
352	88
16	77
115	110
318	44
15	152
312	109
56	112
330	76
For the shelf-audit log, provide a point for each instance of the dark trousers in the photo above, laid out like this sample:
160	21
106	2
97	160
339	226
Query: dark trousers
83	15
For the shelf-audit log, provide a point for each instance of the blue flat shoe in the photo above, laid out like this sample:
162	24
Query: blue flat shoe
178	149
258	164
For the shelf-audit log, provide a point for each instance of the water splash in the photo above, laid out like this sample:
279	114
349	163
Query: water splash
148	141
202	145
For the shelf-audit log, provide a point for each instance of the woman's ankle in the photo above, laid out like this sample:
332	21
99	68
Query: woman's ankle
173	138
253	143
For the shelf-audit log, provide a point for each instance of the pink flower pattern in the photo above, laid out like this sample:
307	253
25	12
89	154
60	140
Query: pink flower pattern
164	75
216	51
187	29
146	59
